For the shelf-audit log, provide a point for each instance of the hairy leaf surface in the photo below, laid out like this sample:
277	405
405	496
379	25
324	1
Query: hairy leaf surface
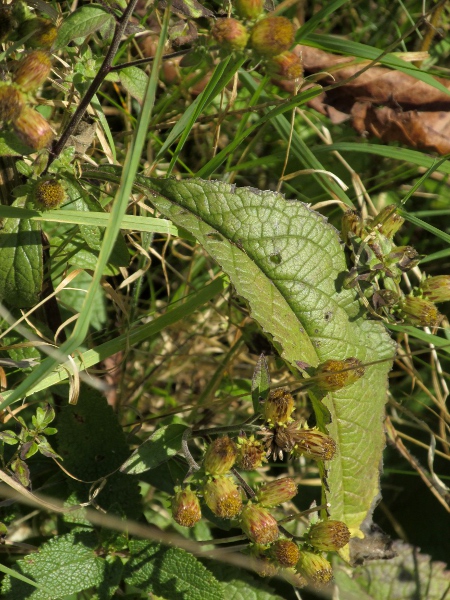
20	261
287	261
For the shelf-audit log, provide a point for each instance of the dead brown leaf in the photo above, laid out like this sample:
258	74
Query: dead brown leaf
386	103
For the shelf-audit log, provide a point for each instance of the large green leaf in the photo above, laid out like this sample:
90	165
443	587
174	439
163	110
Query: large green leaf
170	572
81	23
20	261
65	565
287	261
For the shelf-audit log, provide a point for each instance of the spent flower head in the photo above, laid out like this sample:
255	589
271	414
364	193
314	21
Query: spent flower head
278	407
251	453
285	552
333	375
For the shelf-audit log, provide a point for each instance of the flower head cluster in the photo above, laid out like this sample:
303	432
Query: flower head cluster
269	38
31	70
379	265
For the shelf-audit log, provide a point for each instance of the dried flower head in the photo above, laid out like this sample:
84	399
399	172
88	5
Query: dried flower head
332	375
352	225
251	453
186	507
220	456
278	407
328	536
276	492
258	524
314	444
223	497
285	552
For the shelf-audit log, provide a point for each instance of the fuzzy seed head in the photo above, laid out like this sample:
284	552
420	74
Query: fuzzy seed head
220	456
315	568
249	9
12	102
436	289
251	453
259	525
278	407
276	492
285	552
419	311
31	127
286	65
48	194
328	536
332	375
223	497
230	34
32	70
272	36
186	507
314	444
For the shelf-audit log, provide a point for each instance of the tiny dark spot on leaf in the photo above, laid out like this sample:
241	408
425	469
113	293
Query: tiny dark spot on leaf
275	258
328	316
213	235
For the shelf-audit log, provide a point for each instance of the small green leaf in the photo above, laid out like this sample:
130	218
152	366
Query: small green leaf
64	565
21	271
170	572
21	472
134	80
81	23
44	416
28	449
45	449
9	437
164	443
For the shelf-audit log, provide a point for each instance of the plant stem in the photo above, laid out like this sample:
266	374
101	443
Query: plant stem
96	83
149	59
